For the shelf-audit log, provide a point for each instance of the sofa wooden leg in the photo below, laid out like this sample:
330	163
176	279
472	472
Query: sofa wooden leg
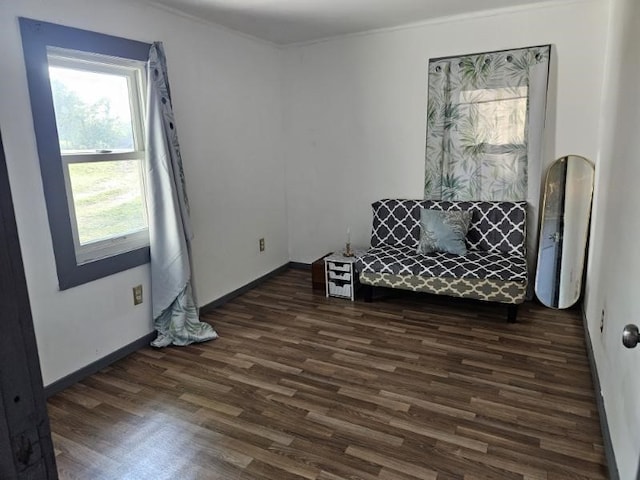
512	313
367	291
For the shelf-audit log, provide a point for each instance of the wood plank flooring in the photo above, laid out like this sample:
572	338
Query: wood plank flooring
299	386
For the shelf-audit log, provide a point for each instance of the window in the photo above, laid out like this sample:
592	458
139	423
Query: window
502	113
99	118
493	126
87	91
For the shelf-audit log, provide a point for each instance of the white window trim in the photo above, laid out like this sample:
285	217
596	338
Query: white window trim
133	71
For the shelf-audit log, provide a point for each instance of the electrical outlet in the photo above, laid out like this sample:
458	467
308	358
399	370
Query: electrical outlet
602	321
261	243
137	295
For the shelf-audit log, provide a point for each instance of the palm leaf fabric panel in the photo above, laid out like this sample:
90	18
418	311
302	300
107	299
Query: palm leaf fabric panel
477	125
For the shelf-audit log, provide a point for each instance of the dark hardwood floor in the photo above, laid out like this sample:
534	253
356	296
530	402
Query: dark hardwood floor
301	386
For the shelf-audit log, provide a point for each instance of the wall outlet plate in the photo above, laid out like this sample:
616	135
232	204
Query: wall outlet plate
137	295
261	244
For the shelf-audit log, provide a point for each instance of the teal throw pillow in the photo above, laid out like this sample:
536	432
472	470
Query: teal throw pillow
442	231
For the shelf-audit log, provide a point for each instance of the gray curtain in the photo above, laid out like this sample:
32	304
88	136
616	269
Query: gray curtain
485	118
174	305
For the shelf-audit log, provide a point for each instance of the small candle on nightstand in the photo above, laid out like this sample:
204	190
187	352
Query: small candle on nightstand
348	235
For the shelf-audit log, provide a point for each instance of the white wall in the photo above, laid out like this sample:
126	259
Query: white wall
354	110
613	279
227	99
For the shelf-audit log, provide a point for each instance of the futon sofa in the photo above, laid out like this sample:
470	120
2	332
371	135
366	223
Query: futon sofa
494	267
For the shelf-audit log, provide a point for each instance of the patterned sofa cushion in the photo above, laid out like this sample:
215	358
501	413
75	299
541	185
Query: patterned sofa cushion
495	226
404	260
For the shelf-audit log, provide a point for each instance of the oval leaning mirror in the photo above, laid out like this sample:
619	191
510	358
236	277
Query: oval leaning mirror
564	229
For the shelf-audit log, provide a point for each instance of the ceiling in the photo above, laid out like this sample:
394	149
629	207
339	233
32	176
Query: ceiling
285	22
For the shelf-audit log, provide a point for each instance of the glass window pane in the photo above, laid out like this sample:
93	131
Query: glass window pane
92	110
499	114
108	199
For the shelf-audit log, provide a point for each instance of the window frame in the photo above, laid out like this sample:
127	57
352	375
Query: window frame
38	39
134	73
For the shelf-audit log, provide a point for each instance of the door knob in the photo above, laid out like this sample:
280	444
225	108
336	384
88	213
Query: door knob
630	335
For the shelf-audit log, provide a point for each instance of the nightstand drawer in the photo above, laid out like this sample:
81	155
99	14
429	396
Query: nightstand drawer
339	267
339	276
340	290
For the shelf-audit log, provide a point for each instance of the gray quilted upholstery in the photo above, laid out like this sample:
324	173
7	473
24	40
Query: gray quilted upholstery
480	265
495	226
493	269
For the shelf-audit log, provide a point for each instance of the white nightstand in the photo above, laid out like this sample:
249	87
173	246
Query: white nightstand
341	276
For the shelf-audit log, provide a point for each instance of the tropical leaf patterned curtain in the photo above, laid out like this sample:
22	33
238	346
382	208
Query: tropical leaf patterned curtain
478	124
